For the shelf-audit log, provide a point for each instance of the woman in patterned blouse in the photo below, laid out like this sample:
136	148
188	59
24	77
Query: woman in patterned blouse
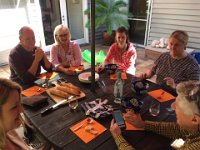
176	65
64	52
187	126
122	52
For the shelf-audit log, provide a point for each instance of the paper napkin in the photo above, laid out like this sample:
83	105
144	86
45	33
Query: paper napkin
34	90
114	76
161	95
85	135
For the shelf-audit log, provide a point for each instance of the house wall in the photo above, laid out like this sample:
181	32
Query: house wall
170	15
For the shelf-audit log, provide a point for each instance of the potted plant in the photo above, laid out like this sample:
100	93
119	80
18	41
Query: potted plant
111	14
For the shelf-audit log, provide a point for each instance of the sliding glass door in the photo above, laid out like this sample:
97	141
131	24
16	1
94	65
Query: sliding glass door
139	22
68	12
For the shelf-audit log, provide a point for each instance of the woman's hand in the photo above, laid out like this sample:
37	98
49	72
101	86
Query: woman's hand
114	129
170	82
134	119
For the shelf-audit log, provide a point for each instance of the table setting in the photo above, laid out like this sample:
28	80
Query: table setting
97	106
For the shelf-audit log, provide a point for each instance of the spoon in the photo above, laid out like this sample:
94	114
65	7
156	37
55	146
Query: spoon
88	121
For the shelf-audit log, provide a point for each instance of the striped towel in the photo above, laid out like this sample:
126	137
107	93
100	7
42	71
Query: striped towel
97	108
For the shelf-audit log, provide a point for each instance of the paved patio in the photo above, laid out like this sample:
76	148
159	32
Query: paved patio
142	63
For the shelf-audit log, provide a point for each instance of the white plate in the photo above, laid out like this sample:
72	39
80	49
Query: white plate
84	77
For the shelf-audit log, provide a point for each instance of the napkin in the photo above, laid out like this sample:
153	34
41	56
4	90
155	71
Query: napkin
41	78
49	75
34	90
161	95
76	68
97	108
131	127
114	76
85	135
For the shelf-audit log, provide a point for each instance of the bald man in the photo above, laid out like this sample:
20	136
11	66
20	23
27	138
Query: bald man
25	60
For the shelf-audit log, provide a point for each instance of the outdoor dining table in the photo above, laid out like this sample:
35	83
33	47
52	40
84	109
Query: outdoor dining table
55	126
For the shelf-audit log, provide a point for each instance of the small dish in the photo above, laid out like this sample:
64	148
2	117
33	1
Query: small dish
111	68
85	77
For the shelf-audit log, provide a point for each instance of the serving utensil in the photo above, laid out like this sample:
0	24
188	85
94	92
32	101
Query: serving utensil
53	107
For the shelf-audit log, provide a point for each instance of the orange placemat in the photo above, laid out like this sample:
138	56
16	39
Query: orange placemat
34	90
114	76
50	75
131	127
161	95
85	135
76	68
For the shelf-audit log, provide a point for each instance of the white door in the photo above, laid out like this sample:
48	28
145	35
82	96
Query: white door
68	12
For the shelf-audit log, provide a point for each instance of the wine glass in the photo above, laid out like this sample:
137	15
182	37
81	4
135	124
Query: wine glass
102	86
73	104
154	108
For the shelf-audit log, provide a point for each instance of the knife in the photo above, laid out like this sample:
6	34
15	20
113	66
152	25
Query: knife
49	109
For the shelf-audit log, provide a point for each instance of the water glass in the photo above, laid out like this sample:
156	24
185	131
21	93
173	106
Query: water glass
154	108
73	104
102	86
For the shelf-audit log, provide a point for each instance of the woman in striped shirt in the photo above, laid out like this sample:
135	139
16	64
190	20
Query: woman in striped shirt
176	65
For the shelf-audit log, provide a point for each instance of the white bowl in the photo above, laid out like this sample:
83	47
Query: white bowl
84	77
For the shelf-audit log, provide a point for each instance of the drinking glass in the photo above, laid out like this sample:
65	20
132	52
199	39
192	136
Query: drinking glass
73	104
154	108
102	86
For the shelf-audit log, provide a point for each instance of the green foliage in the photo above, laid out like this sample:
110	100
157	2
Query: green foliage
112	13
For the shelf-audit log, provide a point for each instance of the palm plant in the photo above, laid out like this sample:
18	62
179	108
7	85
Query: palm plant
111	13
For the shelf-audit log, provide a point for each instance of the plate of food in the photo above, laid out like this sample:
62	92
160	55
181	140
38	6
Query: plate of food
86	77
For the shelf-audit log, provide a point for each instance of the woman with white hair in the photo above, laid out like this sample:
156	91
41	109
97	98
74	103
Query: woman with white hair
187	126
64	52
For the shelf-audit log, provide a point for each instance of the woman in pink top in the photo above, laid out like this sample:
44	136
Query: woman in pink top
10	118
122	52
64	52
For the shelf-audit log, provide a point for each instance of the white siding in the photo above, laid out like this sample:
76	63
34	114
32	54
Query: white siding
170	15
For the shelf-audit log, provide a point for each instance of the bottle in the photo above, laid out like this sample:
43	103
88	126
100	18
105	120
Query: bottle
118	88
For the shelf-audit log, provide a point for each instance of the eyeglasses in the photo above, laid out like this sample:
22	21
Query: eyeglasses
62	35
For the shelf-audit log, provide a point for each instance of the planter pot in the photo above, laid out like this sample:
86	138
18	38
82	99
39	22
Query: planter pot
108	39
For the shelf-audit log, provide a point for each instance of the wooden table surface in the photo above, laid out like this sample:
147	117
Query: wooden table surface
54	127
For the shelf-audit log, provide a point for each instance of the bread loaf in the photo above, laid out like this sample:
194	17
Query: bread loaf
68	90
70	85
59	93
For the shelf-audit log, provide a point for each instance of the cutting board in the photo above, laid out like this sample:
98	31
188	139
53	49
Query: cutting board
58	99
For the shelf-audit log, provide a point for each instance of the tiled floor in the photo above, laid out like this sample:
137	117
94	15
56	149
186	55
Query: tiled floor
142	63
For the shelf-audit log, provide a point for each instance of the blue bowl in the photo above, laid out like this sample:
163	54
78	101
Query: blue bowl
131	103
138	86
111	68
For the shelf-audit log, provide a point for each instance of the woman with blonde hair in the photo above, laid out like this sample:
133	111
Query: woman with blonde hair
176	65
64	52
10	118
